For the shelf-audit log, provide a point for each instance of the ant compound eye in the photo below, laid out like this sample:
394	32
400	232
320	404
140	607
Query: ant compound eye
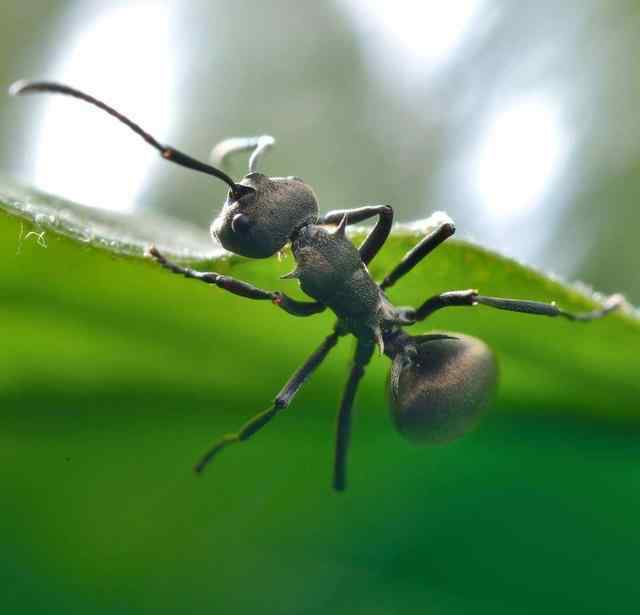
241	224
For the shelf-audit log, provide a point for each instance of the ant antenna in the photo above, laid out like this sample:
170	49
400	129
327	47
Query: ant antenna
167	152
259	145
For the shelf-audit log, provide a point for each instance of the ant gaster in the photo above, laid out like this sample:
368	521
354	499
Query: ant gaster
439	384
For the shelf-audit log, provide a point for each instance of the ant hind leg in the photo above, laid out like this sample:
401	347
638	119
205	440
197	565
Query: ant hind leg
550	309
537	308
362	357
282	401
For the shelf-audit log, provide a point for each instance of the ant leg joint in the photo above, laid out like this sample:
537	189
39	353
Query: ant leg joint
295	307
448	229
280	403
222	281
406	316
461	295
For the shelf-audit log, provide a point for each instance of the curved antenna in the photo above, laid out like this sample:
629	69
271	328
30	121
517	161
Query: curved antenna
259	145
167	152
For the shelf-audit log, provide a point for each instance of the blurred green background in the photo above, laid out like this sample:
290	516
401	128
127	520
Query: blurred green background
518	119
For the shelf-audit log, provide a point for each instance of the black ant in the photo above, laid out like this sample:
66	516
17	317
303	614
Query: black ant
439	383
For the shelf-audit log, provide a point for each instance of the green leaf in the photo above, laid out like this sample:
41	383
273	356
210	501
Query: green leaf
115	376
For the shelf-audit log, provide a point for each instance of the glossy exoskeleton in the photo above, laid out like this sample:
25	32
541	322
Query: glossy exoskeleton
439	384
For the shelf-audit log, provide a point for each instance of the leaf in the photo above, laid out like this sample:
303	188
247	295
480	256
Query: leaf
115	376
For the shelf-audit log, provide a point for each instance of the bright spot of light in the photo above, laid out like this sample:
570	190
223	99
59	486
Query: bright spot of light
423	33
521	152
122	56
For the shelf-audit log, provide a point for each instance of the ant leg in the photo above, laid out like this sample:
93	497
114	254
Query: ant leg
242	289
550	309
448	299
362	357
418	252
259	145
471	298
281	402
378	235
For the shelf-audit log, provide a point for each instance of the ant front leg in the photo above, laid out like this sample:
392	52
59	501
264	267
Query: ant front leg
240	288
537	308
281	402
364	350
378	235
424	247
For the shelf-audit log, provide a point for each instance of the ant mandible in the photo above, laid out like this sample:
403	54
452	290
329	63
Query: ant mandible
439	384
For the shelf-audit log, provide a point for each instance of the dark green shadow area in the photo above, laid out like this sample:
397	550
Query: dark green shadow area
115	376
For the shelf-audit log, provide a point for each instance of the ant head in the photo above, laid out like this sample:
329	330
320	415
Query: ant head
260	217
260	214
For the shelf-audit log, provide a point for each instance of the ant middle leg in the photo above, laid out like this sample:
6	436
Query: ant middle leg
472	298
282	401
240	288
424	247
376	237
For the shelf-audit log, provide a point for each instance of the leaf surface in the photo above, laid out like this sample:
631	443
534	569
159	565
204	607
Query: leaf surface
115	376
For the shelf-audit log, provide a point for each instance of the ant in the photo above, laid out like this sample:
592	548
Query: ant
439	383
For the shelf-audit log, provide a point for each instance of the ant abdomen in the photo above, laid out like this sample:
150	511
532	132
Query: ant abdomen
442	391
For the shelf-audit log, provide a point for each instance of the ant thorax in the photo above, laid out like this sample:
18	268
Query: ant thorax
330	270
